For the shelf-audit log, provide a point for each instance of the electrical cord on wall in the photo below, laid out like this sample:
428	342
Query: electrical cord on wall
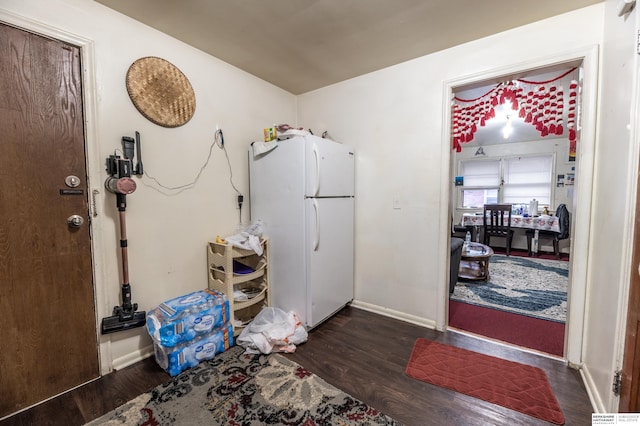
218	140
179	188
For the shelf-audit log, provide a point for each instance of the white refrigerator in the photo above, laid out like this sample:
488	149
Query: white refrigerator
303	191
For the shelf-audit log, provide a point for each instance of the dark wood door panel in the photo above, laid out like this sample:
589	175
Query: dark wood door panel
634	396
630	386
15	69
46	283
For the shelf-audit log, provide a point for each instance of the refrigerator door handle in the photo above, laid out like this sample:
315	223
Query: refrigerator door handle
316	240
317	157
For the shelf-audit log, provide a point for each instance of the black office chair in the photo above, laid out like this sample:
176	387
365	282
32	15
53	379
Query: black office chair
497	223
563	218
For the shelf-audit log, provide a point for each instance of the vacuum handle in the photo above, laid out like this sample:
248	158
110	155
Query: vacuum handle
138	170
126	298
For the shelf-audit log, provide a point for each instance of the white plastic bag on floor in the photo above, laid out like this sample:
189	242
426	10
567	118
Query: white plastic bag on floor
272	330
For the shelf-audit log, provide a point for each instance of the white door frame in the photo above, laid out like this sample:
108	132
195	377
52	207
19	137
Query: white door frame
579	251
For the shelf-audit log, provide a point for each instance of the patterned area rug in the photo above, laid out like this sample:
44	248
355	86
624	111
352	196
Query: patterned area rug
522	285
238	389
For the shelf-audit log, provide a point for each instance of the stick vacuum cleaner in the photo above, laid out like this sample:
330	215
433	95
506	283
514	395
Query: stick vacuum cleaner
120	183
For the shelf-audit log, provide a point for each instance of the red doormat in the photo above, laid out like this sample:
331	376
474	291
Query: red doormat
510	384
521	330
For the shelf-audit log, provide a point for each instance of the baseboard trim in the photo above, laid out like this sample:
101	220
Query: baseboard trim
592	391
394	314
132	358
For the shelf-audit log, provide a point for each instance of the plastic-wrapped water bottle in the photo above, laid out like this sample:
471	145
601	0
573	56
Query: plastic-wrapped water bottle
467	238
189	354
186	317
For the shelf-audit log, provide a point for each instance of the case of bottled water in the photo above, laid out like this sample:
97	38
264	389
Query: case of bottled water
175	360
187	317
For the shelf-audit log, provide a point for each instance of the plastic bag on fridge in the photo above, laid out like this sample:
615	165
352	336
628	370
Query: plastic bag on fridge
272	330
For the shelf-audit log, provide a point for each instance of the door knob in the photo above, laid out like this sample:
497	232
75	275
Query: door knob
75	221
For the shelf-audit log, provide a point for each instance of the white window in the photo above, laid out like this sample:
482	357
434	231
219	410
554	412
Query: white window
481	179
511	180
476	198
527	178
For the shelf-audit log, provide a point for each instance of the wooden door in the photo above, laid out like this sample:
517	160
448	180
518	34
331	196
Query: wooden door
48	338
630	387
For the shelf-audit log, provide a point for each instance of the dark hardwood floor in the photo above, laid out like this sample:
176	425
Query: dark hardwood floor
363	354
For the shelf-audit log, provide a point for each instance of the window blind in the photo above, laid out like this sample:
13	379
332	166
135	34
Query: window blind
526	178
481	173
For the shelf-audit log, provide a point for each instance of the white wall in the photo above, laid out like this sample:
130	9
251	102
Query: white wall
167	233
394	118
616	165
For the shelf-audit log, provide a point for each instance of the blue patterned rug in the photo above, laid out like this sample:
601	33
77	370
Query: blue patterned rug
522	285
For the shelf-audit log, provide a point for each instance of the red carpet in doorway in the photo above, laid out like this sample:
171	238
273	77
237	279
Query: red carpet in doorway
533	333
510	384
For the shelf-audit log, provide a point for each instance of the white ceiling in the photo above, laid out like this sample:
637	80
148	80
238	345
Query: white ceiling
303	45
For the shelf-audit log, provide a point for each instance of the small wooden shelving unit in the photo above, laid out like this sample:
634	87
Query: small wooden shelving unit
250	275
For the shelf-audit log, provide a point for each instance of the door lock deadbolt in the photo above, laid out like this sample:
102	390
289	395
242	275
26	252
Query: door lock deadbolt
75	221
72	181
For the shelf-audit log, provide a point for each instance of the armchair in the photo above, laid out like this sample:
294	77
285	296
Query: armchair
454	266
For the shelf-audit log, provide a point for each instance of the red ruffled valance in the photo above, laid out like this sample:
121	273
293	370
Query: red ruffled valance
540	103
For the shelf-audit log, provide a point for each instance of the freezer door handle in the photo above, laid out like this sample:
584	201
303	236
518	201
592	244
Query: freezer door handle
316	240
317	157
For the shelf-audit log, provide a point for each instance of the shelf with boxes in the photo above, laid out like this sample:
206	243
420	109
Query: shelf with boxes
243	276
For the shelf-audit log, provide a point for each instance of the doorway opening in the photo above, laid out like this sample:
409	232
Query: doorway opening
515	140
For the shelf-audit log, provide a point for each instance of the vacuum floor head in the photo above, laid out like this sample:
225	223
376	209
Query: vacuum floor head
124	321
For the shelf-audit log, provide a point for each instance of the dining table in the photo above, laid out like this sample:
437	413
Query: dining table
537	223
543	222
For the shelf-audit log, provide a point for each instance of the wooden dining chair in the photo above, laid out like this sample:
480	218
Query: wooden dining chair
497	223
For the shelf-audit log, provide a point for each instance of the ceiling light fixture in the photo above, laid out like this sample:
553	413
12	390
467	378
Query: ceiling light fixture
508	128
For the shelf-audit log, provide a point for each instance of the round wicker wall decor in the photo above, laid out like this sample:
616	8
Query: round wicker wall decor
161	92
